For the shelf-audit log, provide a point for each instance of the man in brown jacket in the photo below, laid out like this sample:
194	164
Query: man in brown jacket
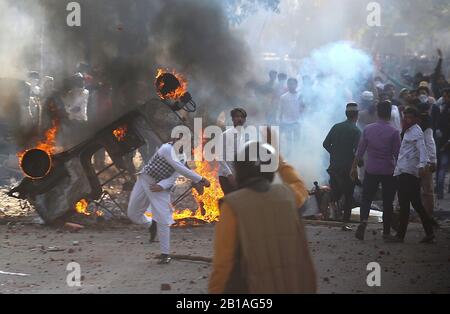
260	242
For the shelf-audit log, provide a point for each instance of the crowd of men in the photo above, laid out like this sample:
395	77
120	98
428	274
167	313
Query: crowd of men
393	121
398	143
399	140
70	104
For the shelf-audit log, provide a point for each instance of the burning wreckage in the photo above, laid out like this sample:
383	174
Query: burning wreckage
58	184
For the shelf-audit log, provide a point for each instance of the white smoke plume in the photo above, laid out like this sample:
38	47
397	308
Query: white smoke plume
17	31
341	71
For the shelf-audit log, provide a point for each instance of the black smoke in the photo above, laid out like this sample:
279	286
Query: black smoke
126	41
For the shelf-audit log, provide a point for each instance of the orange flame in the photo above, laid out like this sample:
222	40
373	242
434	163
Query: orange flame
82	206
208	204
173	95
121	133
48	144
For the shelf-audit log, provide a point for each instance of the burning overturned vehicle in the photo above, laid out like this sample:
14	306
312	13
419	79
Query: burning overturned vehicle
60	182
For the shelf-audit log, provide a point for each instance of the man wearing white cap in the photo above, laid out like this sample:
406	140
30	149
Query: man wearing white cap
368	115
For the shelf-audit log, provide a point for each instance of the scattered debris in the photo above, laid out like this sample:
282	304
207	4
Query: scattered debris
73	227
192	258
54	249
13	274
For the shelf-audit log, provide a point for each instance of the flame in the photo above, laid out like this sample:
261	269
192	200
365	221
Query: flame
99	213
208	204
82	206
48	144
176	94
121	133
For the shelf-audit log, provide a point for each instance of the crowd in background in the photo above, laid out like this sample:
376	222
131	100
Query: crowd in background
425	97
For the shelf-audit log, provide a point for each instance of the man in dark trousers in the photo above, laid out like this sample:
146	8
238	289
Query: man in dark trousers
342	143
410	168
382	143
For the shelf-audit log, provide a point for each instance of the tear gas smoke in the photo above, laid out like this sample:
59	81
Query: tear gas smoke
341	72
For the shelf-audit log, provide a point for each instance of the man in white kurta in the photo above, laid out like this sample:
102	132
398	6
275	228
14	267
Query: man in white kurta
231	141
289	116
151	193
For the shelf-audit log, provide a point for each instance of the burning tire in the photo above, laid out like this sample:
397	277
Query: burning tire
36	163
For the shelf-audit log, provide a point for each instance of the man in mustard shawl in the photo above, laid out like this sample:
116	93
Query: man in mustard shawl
260	242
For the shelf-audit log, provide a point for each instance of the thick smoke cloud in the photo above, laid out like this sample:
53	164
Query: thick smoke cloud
126	41
130	39
14	25
196	38
342	71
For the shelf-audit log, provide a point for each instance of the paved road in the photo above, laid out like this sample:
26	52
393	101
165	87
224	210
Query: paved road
120	260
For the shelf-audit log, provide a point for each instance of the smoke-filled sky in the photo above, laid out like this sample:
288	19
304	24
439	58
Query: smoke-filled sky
127	40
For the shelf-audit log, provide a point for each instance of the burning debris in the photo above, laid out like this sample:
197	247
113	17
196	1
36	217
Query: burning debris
208	202
170	85
82	207
36	162
121	133
49	143
171	88
59	184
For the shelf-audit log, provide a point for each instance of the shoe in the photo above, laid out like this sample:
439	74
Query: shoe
361	232
429	239
394	239
346	228
153	231
164	259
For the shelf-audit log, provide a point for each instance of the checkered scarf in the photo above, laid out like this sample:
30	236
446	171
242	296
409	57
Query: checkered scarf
159	169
